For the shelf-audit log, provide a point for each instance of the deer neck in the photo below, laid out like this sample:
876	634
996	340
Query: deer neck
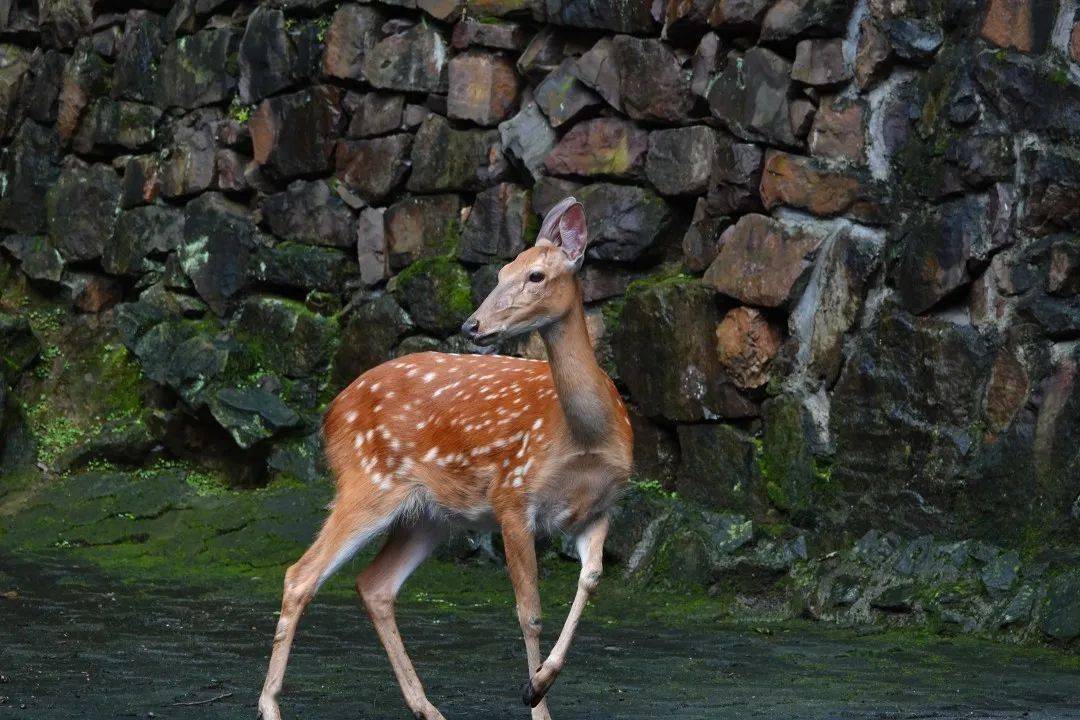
582	386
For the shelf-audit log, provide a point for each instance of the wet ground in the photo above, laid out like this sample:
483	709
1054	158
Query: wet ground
73	645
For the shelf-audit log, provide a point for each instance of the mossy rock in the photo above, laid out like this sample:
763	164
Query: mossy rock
283	336
436	293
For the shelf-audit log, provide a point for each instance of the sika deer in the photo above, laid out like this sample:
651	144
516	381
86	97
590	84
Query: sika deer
429	441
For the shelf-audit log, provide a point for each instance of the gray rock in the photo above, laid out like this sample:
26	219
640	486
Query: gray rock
562	96
681	161
411	61
626	223
915	40
251	414
613	15
652	83
498	226
81	210
368	336
805	18
751	96
194	70
1061	615
527	137
271	57
38	259
31	164
421	227
371	246
140	232
374	114
445	159
219	239
138	58
299	267
309	212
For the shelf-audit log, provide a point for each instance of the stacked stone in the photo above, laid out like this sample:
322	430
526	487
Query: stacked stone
834	258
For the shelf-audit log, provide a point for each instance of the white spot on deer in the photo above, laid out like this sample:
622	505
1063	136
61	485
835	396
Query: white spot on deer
358	441
375	387
428	377
430	455
539	422
377	408
350	417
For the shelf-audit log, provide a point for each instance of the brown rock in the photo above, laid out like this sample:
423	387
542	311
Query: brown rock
442	9
94	293
824	191
1074	43
839	130
1064	275
763	262
141	184
605	147
1007	390
420	227
295	134
737	14
1010	23
484	88
597	70
686	20
746	343
373	168
872	55
821	62
374	113
188	167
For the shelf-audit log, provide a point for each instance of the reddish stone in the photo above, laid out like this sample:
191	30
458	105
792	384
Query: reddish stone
442	9
872	54
484	88
839	130
606	147
1008	24
763	262
1007	390
419	227
820	62
1064	275
373	168
824	191
1074	43
746	343
353	31
295	134
95	293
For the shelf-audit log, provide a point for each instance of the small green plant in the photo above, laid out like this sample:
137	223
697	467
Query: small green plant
650	486
239	112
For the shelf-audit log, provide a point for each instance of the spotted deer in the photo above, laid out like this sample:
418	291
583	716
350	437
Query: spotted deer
429	442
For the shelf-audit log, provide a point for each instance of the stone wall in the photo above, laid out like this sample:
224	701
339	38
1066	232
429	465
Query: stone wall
834	261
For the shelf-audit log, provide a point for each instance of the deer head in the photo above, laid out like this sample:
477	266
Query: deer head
538	287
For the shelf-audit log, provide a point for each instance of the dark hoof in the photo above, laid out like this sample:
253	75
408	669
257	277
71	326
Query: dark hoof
529	694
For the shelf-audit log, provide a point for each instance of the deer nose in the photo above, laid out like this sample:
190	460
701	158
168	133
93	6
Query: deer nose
471	327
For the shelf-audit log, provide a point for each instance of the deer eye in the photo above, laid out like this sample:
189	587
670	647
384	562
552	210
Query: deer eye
536	276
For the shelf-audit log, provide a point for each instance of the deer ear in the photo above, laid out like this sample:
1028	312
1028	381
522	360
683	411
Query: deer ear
549	229
573	231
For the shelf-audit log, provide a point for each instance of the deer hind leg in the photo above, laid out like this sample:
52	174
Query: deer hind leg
590	546
520	548
378	585
345	531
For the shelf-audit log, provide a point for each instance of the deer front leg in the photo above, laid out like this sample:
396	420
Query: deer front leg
590	547
520	546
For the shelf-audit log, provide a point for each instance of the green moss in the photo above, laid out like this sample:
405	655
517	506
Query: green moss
653	488
450	282
54	433
667	275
